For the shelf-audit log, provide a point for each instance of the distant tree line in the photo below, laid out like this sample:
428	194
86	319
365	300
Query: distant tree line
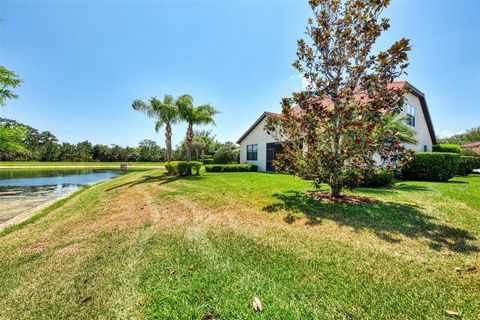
10	137
469	136
44	146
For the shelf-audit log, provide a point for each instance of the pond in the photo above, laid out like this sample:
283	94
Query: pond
25	190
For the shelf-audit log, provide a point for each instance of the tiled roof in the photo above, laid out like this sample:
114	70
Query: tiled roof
471	145
360	96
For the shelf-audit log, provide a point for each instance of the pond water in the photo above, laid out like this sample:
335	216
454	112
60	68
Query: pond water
23	190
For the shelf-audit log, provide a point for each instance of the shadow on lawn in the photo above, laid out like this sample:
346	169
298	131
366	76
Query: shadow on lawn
385	219
161	179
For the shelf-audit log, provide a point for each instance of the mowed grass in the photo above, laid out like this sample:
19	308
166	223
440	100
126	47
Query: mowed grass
145	245
33	164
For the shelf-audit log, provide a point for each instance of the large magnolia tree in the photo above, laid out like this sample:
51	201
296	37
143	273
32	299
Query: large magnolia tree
333	128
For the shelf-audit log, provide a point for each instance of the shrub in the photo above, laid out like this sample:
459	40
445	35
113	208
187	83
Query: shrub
225	155
379	179
468	152
468	164
183	168
208	161
449	148
432	166
195	166
230	167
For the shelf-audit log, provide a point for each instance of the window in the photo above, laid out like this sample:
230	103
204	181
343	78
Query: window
252	153
424	148
410	115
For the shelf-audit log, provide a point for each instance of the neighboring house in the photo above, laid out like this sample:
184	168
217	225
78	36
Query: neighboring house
475	146
259	148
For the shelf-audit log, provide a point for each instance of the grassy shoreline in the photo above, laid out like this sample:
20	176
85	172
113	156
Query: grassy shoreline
40	212
40	164
146	245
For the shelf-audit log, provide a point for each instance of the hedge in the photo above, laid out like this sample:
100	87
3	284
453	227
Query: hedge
449	148
225	155
379	179
432	166
468	164
208	161
183	168
230	167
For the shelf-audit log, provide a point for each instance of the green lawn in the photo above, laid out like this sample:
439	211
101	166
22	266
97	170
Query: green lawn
74	164
145	245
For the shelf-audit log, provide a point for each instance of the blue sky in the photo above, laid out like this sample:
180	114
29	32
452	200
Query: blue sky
83	62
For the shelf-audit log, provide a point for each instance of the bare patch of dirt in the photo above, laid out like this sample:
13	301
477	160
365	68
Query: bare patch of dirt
348	198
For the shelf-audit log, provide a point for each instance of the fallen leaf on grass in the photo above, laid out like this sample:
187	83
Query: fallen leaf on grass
452	314
257	304
472	268
457	270
190	267
86	298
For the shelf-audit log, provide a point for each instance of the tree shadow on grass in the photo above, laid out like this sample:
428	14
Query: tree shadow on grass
386	219
161	179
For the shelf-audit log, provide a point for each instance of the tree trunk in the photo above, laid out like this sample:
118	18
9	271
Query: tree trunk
168	141
335	189
189	141
335	175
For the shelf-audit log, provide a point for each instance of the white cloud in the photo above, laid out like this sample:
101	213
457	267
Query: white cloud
304	82
448	133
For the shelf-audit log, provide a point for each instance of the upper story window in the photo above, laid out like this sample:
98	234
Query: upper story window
252	152
410	115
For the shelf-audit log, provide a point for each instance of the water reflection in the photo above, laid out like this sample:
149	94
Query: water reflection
23	190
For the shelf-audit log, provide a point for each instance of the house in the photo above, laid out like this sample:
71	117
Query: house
259	148
474	146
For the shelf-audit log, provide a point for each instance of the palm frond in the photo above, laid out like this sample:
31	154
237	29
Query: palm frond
204	114
158	125
404	133
139	105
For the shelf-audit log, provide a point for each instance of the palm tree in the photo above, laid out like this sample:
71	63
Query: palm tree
404	133
202	142
166	114
200	115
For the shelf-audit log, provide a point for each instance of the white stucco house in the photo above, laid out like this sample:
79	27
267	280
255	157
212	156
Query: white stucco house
259	148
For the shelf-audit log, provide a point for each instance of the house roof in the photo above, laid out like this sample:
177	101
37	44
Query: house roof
395	84
471	145
264	114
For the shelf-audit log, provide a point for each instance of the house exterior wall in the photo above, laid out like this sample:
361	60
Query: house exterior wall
259	137
421	128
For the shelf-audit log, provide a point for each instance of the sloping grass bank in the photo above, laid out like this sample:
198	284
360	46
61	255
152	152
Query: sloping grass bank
145	245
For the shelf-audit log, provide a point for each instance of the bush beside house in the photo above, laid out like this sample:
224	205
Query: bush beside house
467	165
380	178
449	148
432	166
183	168
469	152
230	167
208	161
225	155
